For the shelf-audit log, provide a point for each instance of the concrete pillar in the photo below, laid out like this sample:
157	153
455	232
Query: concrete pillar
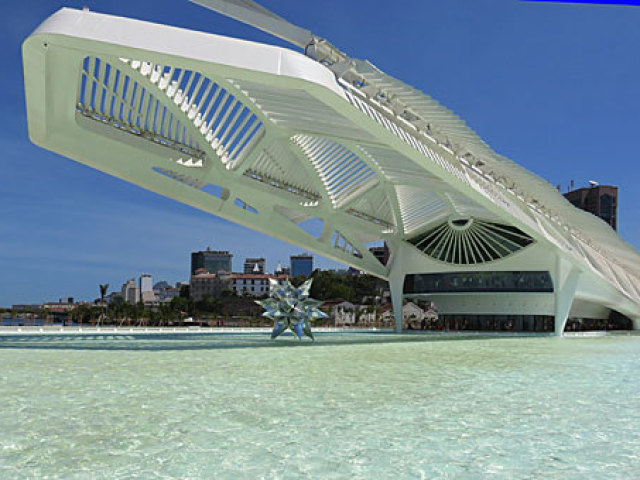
396	285
565	284
397	301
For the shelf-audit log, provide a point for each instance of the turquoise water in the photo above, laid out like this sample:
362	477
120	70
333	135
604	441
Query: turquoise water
349	406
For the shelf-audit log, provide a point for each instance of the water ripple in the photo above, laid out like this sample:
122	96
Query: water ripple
374	406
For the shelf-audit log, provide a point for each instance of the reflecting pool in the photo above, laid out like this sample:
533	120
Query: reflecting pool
347	406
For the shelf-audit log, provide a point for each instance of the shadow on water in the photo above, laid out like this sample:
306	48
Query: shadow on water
209	341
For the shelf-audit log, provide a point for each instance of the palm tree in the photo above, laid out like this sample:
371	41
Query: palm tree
139	312
103	293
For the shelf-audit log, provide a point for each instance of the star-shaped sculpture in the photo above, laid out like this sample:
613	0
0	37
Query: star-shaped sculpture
291	308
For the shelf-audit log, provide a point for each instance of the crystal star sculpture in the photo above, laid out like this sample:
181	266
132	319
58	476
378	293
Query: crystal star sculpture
291	308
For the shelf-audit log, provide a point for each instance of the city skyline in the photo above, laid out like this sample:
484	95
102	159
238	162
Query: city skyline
117	286
66	227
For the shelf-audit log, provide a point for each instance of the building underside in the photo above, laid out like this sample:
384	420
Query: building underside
279	141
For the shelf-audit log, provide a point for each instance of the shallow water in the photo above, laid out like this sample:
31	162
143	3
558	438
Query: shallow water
348	406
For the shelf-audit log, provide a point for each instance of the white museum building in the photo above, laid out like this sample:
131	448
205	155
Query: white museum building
272	138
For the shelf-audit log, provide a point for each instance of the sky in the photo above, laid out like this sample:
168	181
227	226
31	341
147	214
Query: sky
554	87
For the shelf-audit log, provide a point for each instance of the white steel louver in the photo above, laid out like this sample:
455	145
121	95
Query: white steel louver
466	207
419	207
301	111
375	207
342	172
467	241
358	100
136	97
277	166
396	167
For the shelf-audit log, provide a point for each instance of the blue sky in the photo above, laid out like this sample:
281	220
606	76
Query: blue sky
552	86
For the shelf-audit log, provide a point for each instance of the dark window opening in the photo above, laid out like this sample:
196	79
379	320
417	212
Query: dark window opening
461	222
537	282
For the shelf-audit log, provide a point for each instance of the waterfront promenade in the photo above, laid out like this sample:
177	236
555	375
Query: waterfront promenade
111	330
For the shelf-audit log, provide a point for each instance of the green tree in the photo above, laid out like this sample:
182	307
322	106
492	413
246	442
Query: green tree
180	305
45	316
330	285
128	312
81	313
138	312
103	293
166	314
210	304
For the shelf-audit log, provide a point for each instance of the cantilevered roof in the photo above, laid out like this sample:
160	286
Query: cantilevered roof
273	139
449	129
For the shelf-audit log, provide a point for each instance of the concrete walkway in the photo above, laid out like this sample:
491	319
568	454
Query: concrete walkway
58	330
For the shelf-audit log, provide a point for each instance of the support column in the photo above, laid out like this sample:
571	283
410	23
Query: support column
566	282
396	285
397	301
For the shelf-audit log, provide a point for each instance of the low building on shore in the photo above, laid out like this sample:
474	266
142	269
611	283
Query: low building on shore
205	284
255	285
414	315
341	312
26	307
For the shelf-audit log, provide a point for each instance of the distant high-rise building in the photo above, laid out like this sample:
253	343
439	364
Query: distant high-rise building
301	265
601	200
381	253
115	298
254	266
280	270
146	288
130	291
163	292
213	261
161	285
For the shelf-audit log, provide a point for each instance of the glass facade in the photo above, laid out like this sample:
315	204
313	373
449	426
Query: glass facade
608	209
517	323
472	282
301	265
494	323
211	261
